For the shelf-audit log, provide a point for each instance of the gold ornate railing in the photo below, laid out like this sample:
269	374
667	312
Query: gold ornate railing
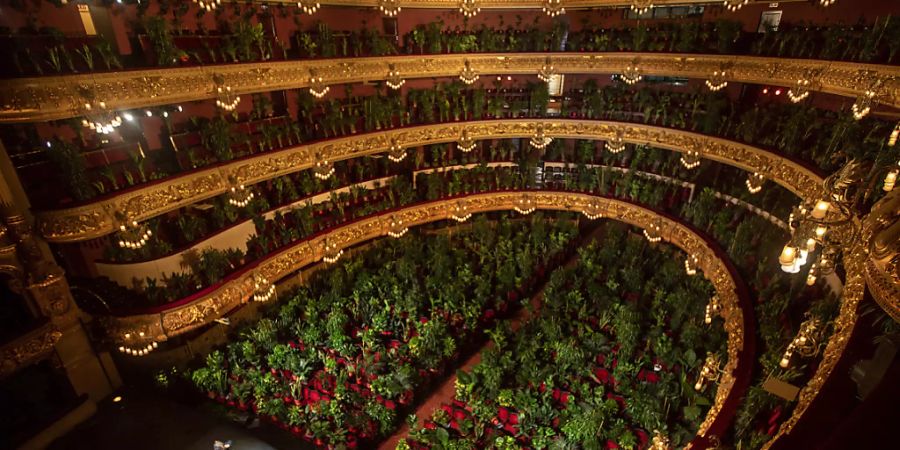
28	348
58	97
97	219
499	4
144	329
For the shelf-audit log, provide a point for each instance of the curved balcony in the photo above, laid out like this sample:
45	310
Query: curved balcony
52	98
97	219
136	331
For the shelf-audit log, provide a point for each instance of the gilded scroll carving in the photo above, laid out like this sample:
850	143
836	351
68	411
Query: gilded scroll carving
27	349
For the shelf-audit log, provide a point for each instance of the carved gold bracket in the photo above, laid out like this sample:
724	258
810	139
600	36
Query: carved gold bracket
58	97
96	219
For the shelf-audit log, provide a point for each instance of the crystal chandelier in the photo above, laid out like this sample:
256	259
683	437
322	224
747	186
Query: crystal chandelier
690	159
632	73
323	169
100	119
805	343
660	442
331	253
617	143
389	8
547	71
712	309
468	75
208	5
308	7
734	5
263	290
641	7
690	265
396	228
755	182
709	372
524	205
394	80
540	140
800	91
593	210
653	232
396	152
317	86
133	235
239	195
469	8
465	144
553	8
717	81
460	212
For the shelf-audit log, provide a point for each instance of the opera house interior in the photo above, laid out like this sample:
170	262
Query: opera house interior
449	224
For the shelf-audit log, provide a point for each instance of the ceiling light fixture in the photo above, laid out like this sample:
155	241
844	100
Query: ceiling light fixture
469	8
553	8
317	86
389	8
468	75
394	80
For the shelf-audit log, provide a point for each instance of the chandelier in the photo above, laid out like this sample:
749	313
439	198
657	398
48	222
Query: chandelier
225	98
100	119
553	8
863	104
263	290
465	144
317	86
394	80
712	309
331	253
524	205
593	210
460	212
690	159
323	169
468	75
717	81
540	140
709	372
396	152
208	5
308	7
653	232
469	8
133	235
617	143
800	91
755	182
826	3
632	73
396	228
389	8
690	265
547	71
239	195
139	351
641	7
734	5
660	442
805	343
